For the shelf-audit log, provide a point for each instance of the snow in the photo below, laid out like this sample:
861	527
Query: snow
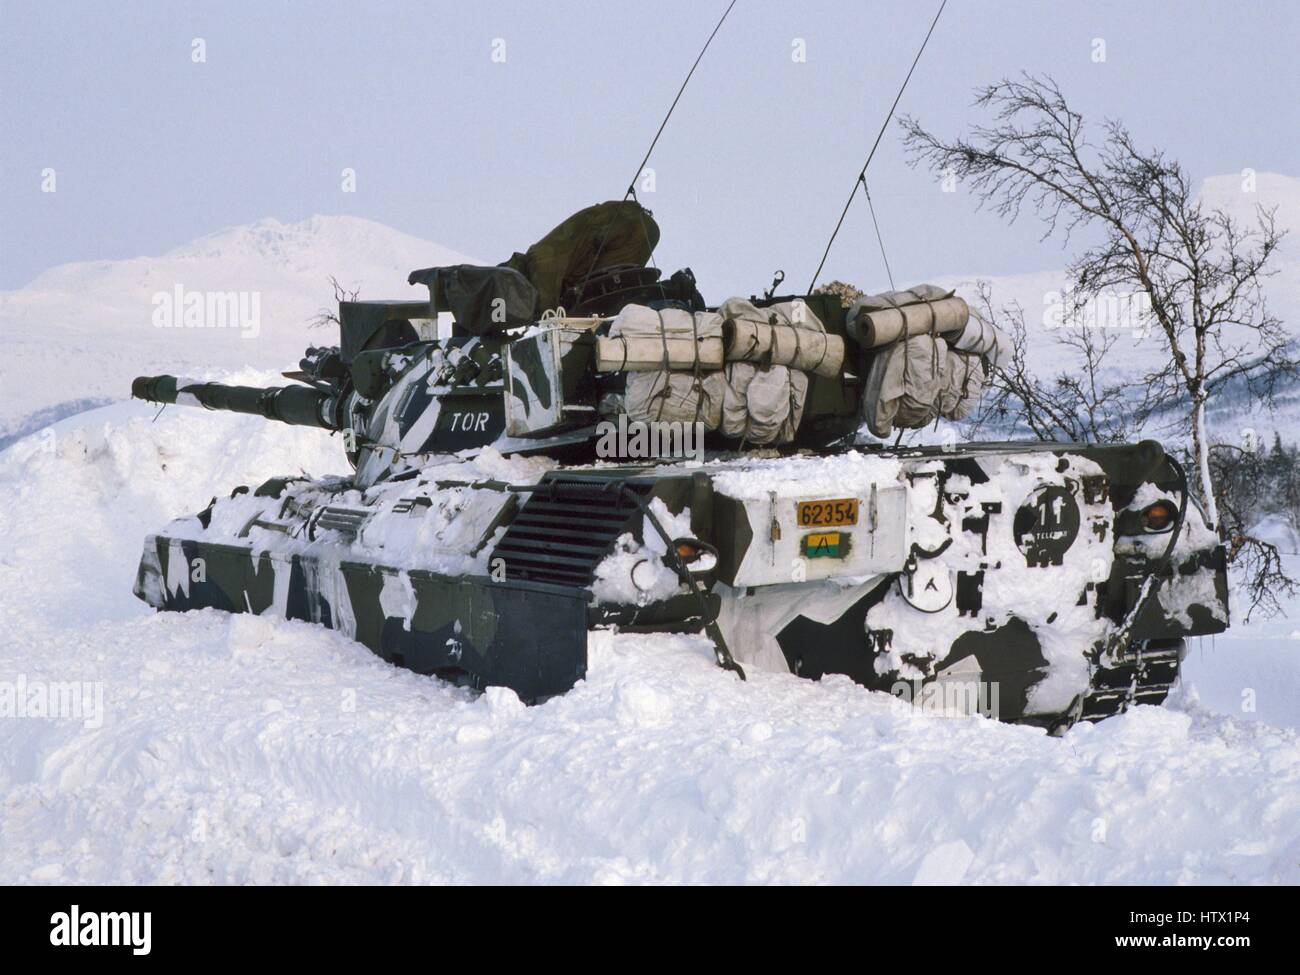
634	573
239	749
816	477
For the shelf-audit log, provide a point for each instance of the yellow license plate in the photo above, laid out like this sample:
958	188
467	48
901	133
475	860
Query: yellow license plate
827	514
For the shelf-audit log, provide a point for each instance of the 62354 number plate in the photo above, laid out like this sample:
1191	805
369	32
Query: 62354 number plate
827	514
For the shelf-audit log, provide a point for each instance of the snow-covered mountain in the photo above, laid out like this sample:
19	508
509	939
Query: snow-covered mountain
78	333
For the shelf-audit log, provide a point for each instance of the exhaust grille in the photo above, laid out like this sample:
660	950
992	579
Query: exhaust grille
564	530
339	518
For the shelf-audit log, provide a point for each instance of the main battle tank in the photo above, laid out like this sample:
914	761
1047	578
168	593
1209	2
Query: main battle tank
701	472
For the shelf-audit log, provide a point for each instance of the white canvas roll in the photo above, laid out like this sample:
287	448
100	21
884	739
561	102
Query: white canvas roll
882	326
805	349
644	339
675	397
979	338
628	353
762	406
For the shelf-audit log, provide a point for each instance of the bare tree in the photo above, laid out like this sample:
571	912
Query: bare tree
1249	486
1199	269
1073	405
328	317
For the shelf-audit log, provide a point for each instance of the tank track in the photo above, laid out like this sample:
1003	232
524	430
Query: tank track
1143	675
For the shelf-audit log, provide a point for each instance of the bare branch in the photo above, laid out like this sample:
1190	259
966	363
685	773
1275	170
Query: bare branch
329	317
1200	271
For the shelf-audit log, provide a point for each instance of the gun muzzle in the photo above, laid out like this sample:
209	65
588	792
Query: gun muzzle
296	405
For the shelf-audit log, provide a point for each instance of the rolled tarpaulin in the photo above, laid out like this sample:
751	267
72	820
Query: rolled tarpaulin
980	338
645	353
873	328
805	349
645	339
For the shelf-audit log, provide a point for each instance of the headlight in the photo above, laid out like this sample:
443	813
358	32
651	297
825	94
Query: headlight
1159	517
698	557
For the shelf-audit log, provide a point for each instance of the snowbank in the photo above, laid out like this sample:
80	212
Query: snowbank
243	749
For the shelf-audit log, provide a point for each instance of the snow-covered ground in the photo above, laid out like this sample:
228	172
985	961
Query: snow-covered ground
243	749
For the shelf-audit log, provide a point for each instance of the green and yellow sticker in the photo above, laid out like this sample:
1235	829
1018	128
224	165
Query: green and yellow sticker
825	545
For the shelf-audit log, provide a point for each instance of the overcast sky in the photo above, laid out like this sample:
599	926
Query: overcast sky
151	149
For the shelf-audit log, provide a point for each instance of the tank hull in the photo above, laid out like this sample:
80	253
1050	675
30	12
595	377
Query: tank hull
1004	580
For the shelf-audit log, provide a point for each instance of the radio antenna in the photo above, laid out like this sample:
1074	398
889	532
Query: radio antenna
631	186
862	176
654	142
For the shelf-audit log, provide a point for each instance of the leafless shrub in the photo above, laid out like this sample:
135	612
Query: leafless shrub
329	317
1075	404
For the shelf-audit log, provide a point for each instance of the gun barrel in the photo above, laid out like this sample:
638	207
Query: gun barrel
297	405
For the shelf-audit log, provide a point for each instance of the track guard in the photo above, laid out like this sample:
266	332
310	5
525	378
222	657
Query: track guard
528	636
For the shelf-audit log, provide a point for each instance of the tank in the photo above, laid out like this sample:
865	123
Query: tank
1044	583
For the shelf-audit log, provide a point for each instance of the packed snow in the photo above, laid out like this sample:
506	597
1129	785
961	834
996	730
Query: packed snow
234	749
634	573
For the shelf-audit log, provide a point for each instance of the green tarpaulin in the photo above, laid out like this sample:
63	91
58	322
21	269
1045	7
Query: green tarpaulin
605	235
